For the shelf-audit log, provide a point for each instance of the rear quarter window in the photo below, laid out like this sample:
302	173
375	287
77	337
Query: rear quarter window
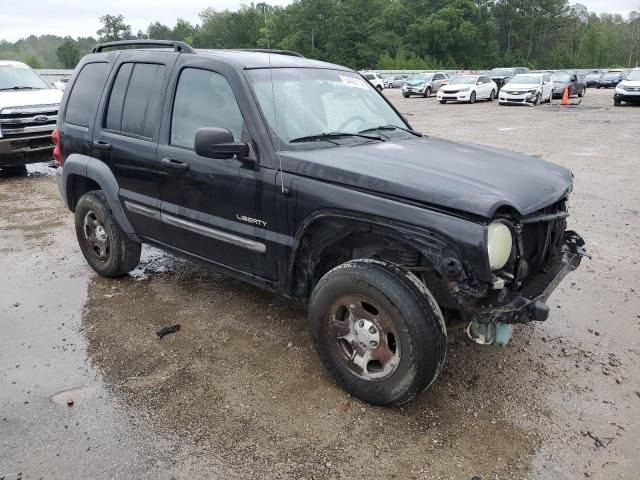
86	93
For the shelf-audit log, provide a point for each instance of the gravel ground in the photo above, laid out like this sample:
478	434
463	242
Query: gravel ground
88	391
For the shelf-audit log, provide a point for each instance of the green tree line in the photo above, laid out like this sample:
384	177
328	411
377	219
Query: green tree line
386	34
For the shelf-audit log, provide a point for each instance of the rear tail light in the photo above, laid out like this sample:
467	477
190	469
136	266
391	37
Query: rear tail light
57	154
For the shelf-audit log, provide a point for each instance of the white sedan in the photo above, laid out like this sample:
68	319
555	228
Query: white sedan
468	88
527	89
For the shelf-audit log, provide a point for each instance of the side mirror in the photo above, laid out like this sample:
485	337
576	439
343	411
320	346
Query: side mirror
213	142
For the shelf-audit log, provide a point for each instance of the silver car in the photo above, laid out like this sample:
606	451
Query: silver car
424	84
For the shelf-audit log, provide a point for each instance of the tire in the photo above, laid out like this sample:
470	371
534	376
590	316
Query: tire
104	245
537	100
427	93
473	98
617	102
396	316
15	170
492	96
583	92
405	95
443	101
598	87
379	88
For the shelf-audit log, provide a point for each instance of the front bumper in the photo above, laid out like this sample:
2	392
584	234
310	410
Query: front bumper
516	99
528	304
23	150
414	90
627	96
455	97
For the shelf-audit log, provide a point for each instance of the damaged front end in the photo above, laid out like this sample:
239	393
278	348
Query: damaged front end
543	253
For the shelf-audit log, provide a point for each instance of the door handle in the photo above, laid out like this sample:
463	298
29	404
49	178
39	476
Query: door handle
175	164
100	145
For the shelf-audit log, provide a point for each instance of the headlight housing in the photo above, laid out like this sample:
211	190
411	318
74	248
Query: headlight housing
465	89
499	244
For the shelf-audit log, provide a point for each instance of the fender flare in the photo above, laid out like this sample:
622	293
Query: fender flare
442	253
99	172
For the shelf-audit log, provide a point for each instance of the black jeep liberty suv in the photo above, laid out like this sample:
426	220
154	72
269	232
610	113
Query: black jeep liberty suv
300	177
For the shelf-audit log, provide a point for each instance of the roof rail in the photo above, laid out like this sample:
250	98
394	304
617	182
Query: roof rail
269	50
177	46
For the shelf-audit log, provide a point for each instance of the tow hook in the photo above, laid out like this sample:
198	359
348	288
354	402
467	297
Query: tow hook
490	333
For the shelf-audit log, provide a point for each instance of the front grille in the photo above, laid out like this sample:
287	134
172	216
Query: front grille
19	122
542	234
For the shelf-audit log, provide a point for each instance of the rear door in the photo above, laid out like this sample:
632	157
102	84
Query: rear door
127	135
438	81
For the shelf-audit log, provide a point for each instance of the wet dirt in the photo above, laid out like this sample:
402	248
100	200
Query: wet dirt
238	392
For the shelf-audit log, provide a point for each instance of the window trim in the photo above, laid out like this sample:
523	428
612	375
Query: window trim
105	110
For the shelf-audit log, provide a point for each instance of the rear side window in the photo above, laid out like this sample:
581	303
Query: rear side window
87	89
134	99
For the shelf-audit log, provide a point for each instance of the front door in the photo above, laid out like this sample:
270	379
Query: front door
220	210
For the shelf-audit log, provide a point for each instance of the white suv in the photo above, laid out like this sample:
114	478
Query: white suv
374	79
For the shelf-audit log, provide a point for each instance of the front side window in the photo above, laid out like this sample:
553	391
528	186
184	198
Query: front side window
135	98
302	102
203	99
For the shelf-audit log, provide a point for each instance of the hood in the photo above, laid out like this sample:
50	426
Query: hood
416	83
27	98
469	178
520	87
630	83
560	84
455	87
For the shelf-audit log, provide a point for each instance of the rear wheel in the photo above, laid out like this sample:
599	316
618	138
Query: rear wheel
104	245
378	331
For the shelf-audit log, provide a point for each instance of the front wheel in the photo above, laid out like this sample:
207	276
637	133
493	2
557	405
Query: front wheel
378	331
15	170
405	95
617	102
443	101
427	92
472	98
492	96
379	88
582	92
104	245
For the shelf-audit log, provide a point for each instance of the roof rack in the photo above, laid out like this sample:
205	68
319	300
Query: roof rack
177	46
269	50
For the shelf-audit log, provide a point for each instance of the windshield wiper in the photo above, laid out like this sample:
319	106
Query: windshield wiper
20	88
328	136
392	127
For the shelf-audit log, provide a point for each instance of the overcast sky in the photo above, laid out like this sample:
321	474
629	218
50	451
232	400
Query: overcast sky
80	17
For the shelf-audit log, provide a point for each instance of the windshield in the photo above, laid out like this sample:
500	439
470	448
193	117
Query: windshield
424	77
501	72
525	79
462	80
311	102
634	76
20	77
611	75
561	77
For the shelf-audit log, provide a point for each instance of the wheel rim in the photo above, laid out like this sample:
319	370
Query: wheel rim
96	236
427	93
363	337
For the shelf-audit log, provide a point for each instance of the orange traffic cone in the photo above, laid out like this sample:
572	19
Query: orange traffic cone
565	96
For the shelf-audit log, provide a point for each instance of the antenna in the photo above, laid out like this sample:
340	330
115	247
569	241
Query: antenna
275	110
